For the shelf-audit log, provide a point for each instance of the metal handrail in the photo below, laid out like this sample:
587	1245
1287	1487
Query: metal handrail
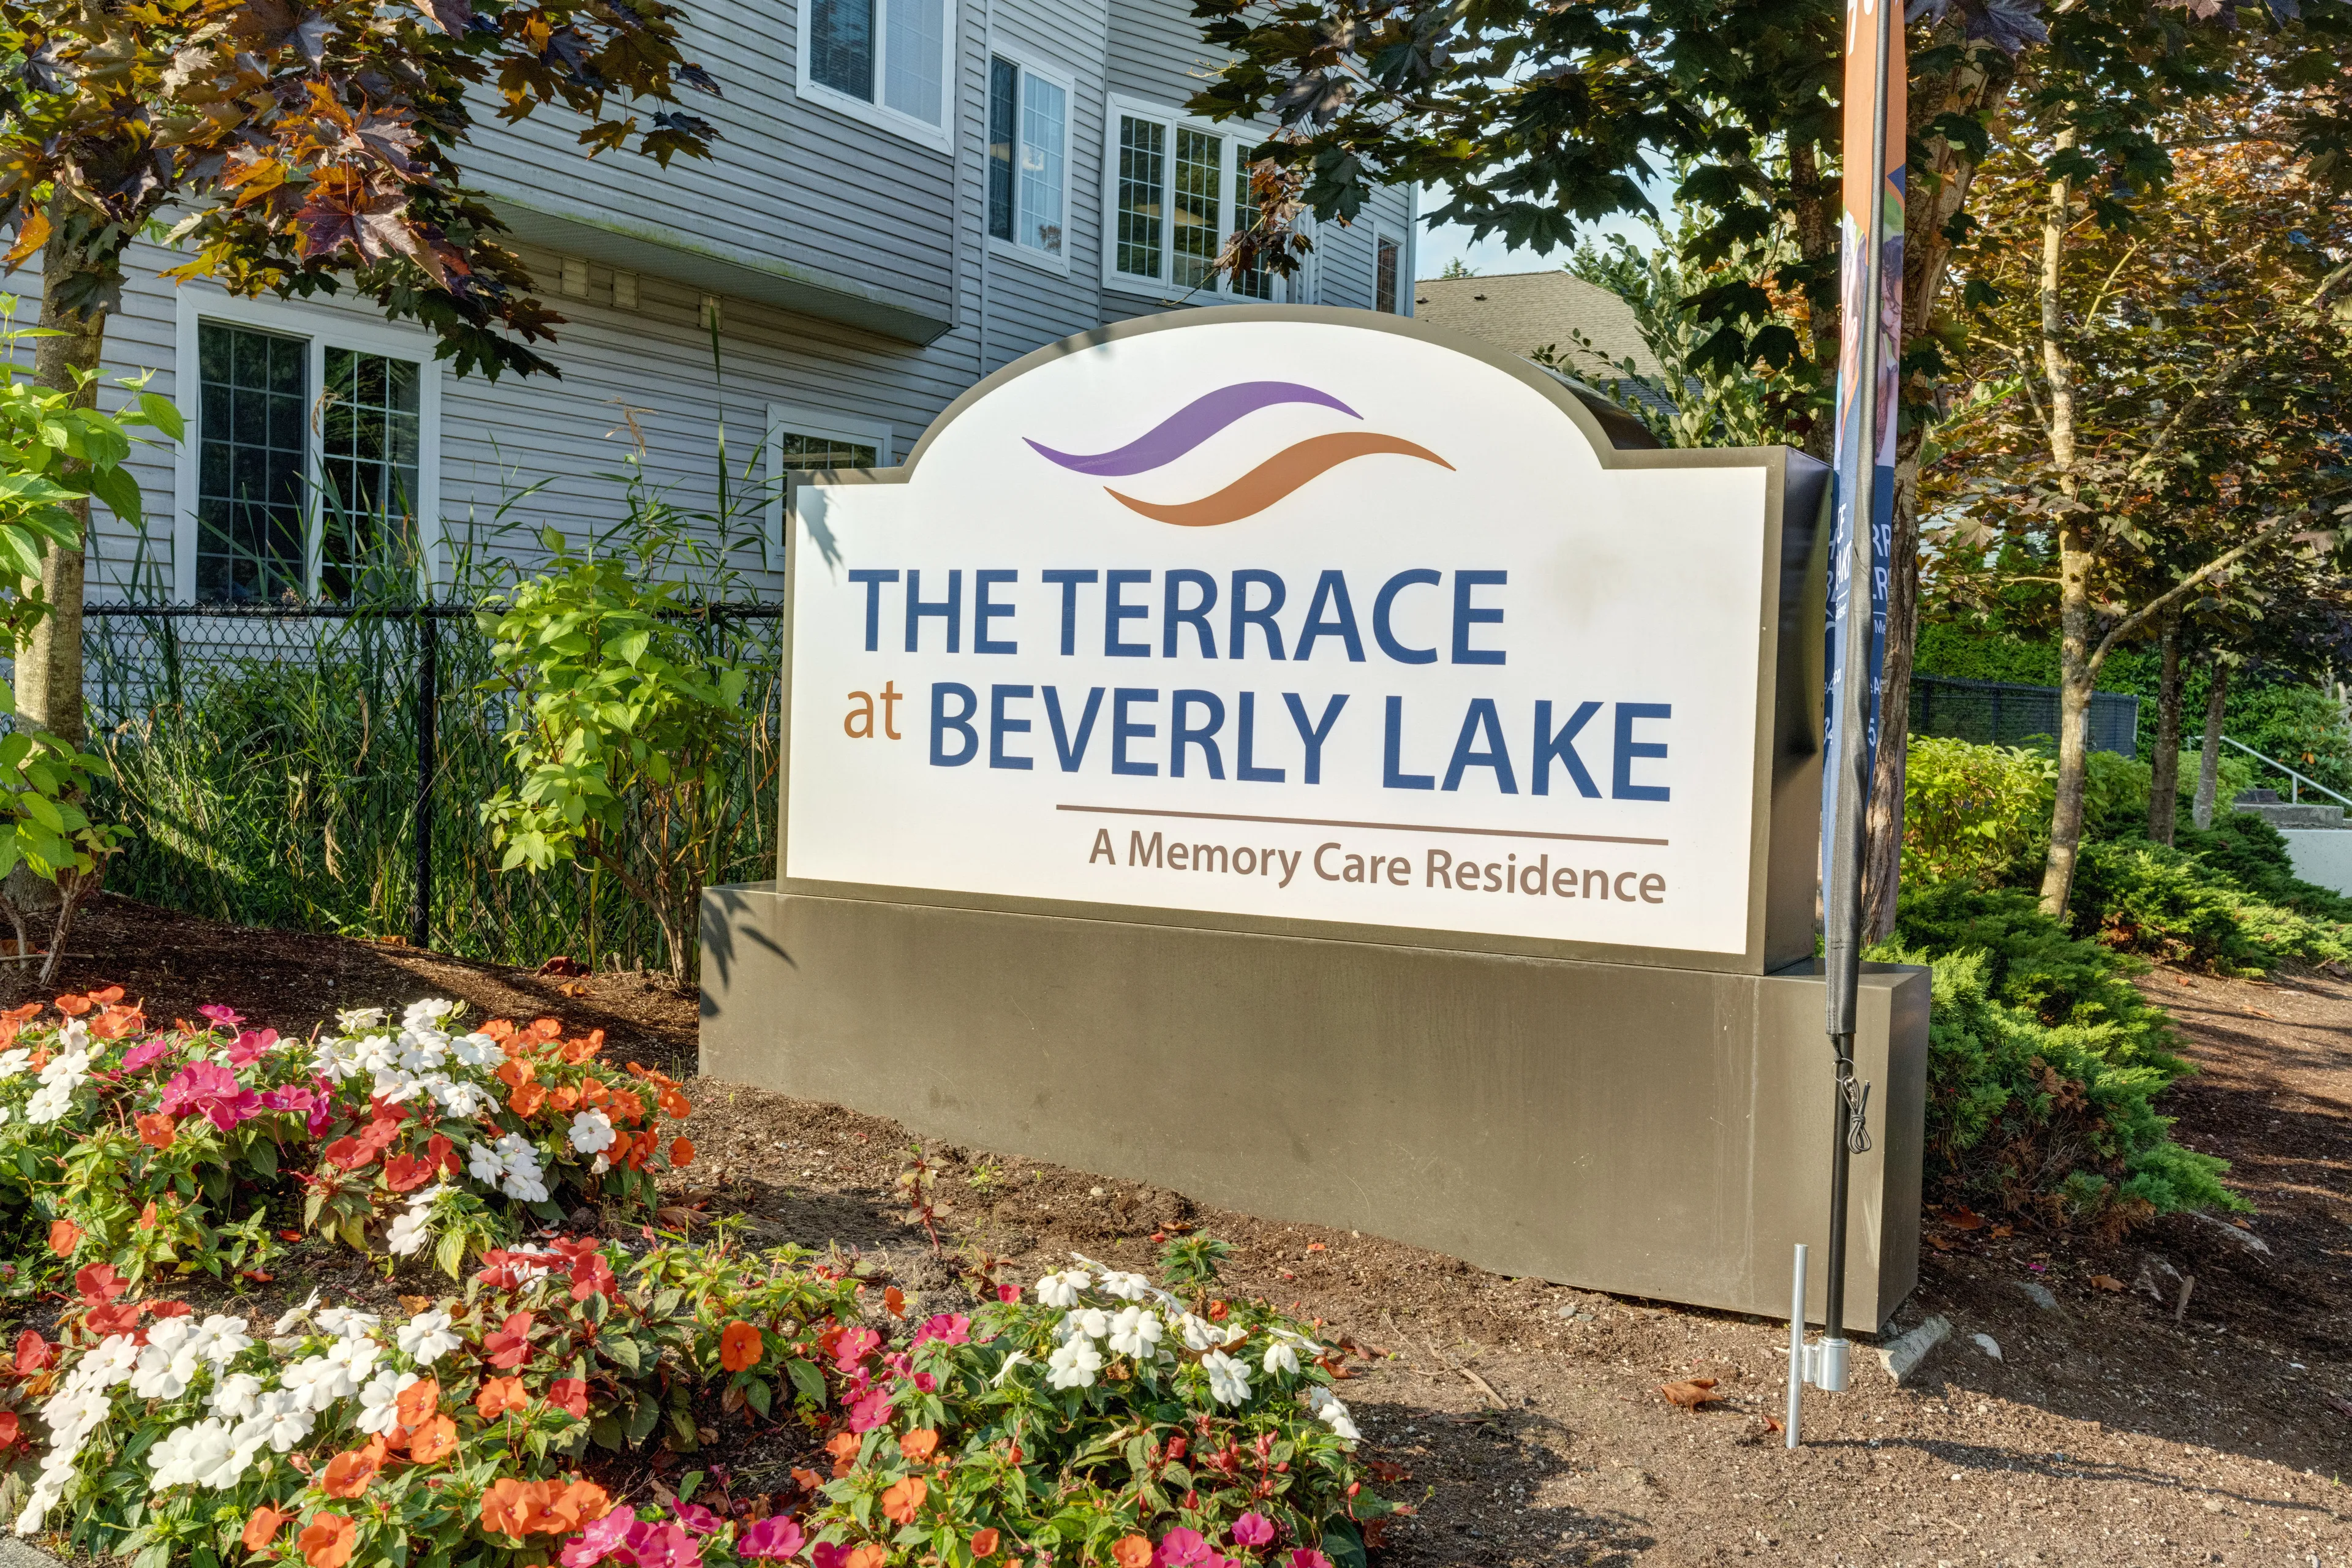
2295	790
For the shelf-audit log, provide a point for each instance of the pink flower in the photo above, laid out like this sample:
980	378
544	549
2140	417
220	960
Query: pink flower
1008	1292
1307	1557
827	1555
925	1382
600	1540
854	1346
213	1090
227	1018
1253	1530
654	1545
949	1330
1183	1548
697	1520
248	1046
139	1055
869	1412
774	1536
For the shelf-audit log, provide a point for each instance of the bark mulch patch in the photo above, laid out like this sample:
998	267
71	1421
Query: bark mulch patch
1524	1418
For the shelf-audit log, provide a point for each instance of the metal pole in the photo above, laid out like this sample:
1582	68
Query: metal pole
429	703
1842	897
1797	1348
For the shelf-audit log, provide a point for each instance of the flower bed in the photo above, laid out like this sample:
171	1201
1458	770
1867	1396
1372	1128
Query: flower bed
174	1149
539	1417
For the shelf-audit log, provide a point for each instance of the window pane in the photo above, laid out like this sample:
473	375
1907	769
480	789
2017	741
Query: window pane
841	46
1142	188
249	461
1195	235
1256	283
801	453
1386	258
367	504
1004	98
913	58
1042	115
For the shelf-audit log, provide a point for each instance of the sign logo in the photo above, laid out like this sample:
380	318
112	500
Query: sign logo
1291	468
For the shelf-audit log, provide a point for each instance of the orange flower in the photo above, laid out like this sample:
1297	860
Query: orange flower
504	1506
1131	1551
497	1029
157	1130
417	1402
567	1098
984	1542
593	1092
578	1504
843	1447
545	1029
681	1152
902	1499
626	1106
739	1347
263	1527
348	1473
147	1215
868	1555
675	1104
500	1394
917	1445
516	1072
526	1100
74	1006
434	1441
326	1541
64	1237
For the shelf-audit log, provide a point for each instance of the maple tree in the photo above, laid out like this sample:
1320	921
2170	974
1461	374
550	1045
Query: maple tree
295	146
2160	406
1536	117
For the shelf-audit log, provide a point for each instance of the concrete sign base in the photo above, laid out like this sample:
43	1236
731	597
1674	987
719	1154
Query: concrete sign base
1640	1129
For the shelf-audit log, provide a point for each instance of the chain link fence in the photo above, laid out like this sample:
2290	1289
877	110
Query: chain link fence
321	768
1996	712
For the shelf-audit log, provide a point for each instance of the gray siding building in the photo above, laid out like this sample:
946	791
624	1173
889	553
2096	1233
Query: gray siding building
907	195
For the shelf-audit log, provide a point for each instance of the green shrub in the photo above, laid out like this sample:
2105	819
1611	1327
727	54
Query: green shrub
2058	1122
1971	811
2114	795
2169	904
2252	853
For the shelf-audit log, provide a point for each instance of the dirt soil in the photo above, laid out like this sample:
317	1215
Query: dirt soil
2092	1407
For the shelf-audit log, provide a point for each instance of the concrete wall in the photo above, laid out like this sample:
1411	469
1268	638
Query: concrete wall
1652	1131
2321	854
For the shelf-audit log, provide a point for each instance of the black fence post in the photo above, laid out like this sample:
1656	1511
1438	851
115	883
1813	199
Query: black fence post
429	703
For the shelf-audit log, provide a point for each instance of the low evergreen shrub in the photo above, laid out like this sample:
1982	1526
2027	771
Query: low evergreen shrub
2252	853
2170	904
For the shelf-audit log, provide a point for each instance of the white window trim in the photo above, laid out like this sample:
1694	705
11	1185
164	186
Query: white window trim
876	113
1381	231
782	417
1232	138
322	328
1032	65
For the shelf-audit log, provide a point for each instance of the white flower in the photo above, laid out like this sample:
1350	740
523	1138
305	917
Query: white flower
359	1020
1136	1332
1018	1358
283	1421
429	1013
190	1455
1074	1365
111	1362
1327	1408
425	1338
523	1177
1062	1289
395	1087
49	1103
236	1396
1200	1334
460	1097
411	1229
477	1050
1091	1322
13	1062
161	1373
220	1340
483	1163
1125	1287
379	1399
1228	1379
1280	1358
337	1373
592	1133
294	1315
347	1322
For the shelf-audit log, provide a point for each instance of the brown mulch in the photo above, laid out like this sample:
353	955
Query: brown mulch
2114	1428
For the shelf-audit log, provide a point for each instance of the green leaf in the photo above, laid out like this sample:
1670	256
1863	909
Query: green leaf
756	1394
643	1420
164	413
120	491
807	1380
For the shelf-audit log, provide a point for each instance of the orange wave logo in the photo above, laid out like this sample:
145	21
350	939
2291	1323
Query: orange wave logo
1289	469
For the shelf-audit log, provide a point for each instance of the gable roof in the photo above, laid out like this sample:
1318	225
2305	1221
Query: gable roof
1524	311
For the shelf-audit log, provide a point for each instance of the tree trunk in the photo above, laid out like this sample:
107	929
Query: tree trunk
48	666
2077	549
2208	765
2164	768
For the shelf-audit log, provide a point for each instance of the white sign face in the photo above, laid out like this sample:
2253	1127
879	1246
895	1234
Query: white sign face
1289	619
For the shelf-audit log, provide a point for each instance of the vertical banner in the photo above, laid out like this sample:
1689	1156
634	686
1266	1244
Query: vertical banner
1865	416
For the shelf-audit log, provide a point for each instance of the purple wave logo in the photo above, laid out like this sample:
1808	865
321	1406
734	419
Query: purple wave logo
1289	469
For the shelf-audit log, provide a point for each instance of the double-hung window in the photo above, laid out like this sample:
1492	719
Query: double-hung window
801	440
311	471
1177	190
885	61
1028	161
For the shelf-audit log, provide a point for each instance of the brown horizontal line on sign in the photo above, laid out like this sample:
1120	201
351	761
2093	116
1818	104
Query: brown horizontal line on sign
1384	826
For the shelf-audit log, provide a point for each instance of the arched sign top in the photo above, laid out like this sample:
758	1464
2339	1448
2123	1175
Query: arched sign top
1298	618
